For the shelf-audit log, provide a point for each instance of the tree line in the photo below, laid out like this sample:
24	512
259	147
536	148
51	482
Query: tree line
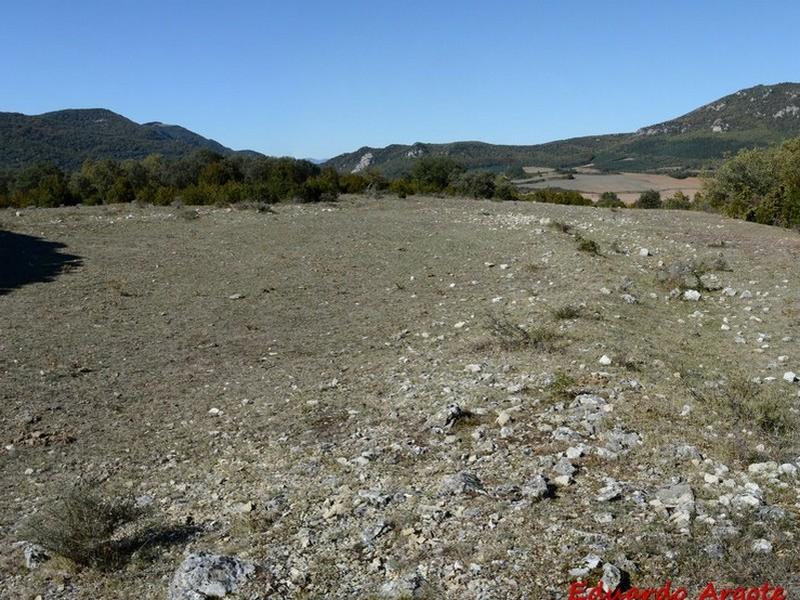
760	185
200	178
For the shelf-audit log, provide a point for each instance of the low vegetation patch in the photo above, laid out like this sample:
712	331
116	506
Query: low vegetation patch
508	335
92	529
563	386
610	200
567	311
764	408
85	527
587	245
561	226
557	196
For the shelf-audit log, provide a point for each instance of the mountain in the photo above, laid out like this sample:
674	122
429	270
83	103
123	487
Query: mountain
68	137
757	116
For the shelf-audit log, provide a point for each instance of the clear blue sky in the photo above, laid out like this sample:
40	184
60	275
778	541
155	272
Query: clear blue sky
316	78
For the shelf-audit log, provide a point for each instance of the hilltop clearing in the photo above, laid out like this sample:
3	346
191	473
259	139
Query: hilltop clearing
383	398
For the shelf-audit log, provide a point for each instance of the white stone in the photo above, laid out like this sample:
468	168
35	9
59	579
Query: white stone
763	546
562	480
790	376
692	295
605	360
574	452
204	575
503	418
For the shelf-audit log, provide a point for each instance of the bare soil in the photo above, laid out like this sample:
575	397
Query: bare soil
281	382
628	186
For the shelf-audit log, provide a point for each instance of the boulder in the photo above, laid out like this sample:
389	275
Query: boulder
203	575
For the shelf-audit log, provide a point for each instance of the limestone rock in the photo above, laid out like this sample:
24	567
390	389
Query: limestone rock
203	575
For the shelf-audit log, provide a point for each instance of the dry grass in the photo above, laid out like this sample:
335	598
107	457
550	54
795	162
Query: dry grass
90	529
561	226
567	311
83	527
760	407
511	336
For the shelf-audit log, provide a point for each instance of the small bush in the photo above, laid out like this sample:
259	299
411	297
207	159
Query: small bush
568	311
505	190
610	200
402	187
475	185
562	385
588	246
561	226
678	201
558	196
188	214
84	527
649	199
321	188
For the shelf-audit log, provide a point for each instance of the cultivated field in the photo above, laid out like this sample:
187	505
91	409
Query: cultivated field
427	398
628	186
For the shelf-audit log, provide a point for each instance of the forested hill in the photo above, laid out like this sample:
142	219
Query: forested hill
66	138
755	117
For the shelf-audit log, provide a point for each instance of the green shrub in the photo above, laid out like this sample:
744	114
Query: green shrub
197	195
475	185
201	178
403	187
558	196
678	201
322	188
353	183
588	246
562	385
610	200
649	199
433	174
505	190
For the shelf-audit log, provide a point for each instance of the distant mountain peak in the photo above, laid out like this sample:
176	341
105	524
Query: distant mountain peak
756	116
760	106
68	137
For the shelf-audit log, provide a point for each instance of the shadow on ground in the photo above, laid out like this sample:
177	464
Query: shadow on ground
27	259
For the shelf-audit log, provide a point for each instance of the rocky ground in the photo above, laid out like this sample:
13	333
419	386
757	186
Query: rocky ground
422	398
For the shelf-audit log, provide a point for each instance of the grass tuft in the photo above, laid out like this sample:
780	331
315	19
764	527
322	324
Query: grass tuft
588	246
511	336
567	311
